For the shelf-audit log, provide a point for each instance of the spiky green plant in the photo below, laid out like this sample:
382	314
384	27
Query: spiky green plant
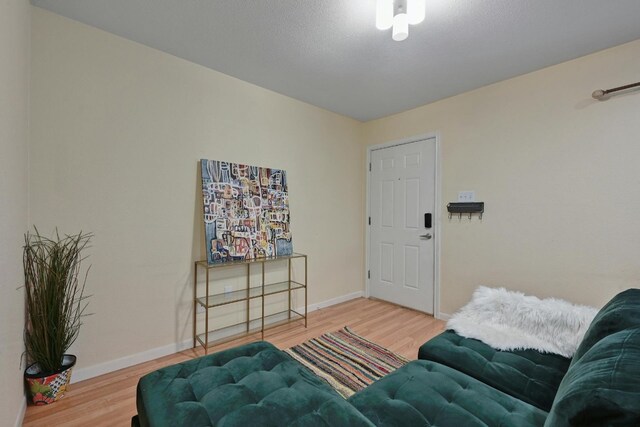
55	299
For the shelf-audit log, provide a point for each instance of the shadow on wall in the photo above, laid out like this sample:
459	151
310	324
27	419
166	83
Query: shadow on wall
184	289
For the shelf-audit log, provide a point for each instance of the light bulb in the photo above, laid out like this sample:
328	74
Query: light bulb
384	14
416	11
400	27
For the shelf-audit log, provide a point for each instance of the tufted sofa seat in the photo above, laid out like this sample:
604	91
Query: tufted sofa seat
529	375
425	393
252	385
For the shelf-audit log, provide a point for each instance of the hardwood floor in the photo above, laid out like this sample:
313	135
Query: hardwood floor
110	399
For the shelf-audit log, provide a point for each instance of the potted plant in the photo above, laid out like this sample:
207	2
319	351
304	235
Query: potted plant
55	305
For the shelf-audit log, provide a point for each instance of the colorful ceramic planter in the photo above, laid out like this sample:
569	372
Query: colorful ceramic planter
47	387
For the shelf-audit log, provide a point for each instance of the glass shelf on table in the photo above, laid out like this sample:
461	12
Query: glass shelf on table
250	261
216	300
255	326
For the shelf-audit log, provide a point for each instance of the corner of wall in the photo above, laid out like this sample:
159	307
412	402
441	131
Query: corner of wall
21	412
443	316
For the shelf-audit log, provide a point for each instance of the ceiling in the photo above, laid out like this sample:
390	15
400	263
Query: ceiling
330	54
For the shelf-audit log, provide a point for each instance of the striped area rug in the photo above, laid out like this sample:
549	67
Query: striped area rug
345	360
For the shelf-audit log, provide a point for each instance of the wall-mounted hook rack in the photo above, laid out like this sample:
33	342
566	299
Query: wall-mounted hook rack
465	208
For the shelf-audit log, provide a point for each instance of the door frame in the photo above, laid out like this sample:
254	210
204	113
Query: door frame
436	214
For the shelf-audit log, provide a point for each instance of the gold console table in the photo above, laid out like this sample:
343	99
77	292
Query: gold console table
210	301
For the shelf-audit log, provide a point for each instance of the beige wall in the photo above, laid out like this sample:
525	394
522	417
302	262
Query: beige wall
14	136
117	131
559	174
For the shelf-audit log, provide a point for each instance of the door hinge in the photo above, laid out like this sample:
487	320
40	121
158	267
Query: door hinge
369	167
368	274
369	220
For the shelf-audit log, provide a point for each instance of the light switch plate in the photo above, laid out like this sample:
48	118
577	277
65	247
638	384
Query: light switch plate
466	196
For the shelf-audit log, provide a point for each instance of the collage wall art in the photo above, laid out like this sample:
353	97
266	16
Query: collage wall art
246	211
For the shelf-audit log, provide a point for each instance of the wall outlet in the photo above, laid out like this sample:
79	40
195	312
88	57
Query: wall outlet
228	289
466	196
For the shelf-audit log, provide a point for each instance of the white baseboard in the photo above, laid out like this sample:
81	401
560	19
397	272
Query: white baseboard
21	412
126	361
443	316
332	301
155	353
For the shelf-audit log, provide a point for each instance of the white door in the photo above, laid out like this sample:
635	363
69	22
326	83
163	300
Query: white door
402	203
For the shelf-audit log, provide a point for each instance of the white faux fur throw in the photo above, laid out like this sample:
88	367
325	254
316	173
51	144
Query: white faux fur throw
508	320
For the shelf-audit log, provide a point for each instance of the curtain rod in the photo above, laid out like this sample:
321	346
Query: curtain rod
601	95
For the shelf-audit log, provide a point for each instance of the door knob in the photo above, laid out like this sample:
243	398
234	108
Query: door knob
426	236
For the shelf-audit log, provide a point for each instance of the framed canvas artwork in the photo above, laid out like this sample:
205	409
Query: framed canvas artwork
246	211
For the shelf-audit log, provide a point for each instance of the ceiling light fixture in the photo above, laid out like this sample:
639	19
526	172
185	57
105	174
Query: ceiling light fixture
399	14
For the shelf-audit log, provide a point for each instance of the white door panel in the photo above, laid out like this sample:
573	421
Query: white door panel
402	190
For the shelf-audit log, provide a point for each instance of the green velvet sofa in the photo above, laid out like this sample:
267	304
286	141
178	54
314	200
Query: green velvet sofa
455	382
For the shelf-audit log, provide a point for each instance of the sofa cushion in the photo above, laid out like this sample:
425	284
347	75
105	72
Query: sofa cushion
622	312
602	388
425	393
255	384
529	375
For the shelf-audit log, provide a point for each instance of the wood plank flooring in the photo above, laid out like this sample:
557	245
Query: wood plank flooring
110	399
